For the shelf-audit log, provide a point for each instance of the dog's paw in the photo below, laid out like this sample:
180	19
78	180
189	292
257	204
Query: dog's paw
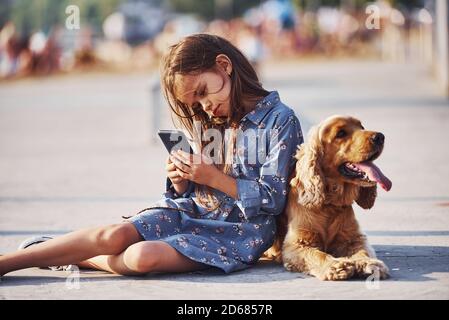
339	269
368	267
291	267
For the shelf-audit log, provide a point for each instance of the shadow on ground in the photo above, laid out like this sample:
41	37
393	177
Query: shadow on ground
406	263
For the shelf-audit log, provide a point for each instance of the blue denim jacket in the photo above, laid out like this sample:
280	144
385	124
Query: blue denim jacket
235	234
262	185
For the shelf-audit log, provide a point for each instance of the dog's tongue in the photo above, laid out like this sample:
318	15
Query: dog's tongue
374	174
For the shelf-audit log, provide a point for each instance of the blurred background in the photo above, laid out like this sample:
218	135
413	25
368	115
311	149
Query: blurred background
80	105
42	37
80	98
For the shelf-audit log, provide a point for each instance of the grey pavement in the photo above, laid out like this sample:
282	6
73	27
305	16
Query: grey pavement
76	151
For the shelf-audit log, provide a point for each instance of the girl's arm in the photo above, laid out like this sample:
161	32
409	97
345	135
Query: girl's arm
181	187
268	193
202	171
225	183
176	186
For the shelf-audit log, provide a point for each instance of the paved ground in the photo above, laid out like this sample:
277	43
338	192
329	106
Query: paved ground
77	152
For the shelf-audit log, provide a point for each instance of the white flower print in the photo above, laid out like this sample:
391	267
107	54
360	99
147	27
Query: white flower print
254	243
182	241
158	231
145	226
164	217
222	250
257	226
238	228
203	245
219	230
283	146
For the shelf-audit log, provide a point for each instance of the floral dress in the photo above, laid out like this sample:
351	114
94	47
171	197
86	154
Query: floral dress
234	235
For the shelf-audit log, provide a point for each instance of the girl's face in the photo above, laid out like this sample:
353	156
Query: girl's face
210	90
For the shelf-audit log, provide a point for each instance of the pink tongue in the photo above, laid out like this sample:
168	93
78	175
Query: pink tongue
374	174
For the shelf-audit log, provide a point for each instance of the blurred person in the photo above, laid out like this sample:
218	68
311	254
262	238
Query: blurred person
166	38
51	55
213	214
175	29
9	58
249	43
9	44
328	23
25	57
114	49
84	48
220	28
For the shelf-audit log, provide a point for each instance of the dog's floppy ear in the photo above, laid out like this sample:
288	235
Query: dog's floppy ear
367	197
309	179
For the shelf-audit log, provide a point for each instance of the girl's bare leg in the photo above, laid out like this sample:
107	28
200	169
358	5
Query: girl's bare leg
72	248
144	257
112	264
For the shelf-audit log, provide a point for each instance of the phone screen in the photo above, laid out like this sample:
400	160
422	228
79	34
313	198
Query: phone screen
174	140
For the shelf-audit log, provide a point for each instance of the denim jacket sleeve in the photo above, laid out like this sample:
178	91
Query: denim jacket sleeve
171	193
268	194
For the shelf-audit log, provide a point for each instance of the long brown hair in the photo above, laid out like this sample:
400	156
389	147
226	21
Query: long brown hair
192	56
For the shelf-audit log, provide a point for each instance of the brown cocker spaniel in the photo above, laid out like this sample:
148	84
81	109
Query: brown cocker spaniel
318	233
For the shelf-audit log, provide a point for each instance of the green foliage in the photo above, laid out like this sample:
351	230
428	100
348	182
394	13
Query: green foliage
211	9
31	15
359	4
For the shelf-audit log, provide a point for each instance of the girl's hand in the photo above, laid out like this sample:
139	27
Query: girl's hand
194	167
172	174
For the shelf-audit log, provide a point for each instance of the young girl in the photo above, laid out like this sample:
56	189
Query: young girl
219	214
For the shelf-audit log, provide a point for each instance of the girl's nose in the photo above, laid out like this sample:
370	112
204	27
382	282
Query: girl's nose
207	105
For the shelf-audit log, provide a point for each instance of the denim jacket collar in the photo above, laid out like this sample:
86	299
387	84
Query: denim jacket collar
262	107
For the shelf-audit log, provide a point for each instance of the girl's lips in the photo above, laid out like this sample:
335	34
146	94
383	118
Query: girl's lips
215	112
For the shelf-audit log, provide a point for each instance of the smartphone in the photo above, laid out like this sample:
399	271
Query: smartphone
174	140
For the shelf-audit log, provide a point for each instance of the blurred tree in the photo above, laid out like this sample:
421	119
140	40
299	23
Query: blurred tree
354	3
29	16
5	9
212	9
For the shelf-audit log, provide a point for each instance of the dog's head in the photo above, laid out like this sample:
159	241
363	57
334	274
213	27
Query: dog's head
337	162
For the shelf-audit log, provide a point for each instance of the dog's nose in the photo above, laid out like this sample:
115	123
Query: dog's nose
378	139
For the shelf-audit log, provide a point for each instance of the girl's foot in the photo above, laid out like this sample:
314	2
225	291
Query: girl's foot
39	239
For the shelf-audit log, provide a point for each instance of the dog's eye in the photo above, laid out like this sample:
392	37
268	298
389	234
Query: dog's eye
341	134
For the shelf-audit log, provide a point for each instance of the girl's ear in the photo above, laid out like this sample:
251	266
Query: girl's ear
224	63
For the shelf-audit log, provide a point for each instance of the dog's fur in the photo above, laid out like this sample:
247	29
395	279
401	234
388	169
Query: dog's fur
318	233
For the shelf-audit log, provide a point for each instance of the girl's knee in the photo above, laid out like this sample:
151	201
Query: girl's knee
114	239
144	257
